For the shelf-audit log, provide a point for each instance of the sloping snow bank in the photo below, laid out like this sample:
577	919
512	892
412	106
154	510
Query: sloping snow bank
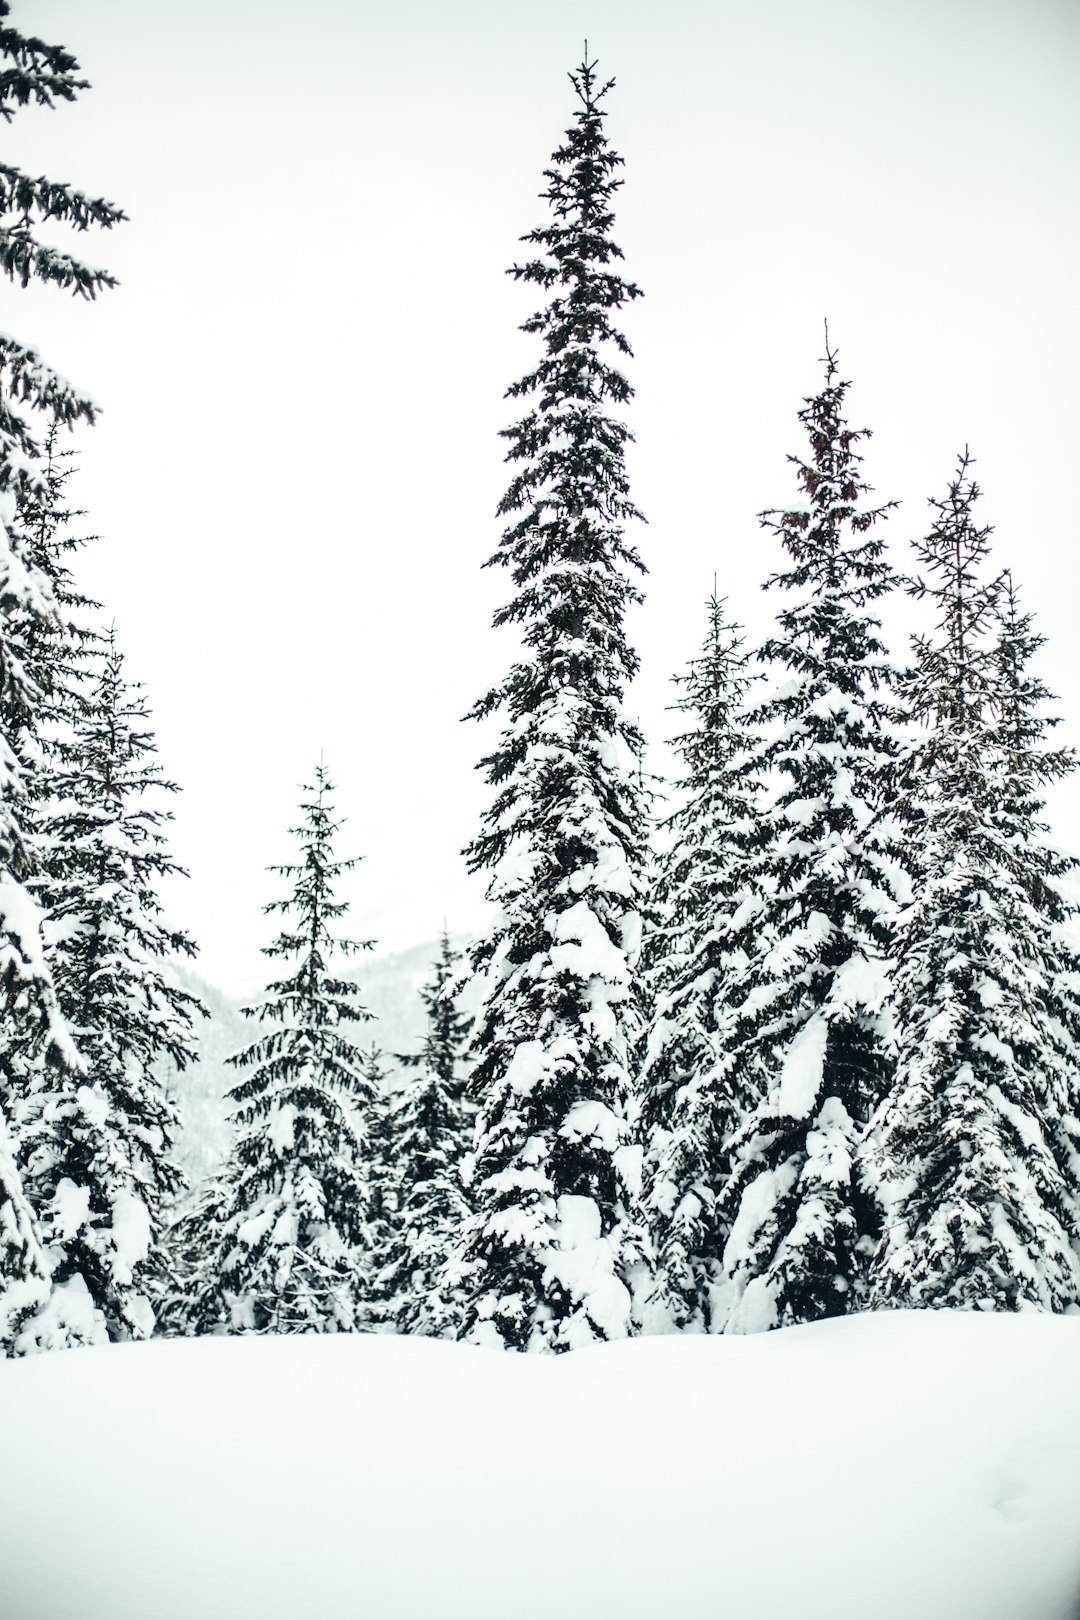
902	1466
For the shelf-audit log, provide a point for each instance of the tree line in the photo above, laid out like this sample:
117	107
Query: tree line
810	1049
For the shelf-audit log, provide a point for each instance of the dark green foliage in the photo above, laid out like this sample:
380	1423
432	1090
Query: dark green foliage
31	73
24	1268
35	73
559	1016
973	1155
428	1131
287	1238
687	1117
807	1041
58	651
96	1147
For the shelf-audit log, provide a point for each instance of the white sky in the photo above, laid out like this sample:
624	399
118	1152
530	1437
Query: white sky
302	373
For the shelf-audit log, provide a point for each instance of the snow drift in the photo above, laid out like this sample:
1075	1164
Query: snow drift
881	1467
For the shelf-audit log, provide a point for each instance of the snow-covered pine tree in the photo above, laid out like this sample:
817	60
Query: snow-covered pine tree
33	73
193	1298
24	1269
383	1180
1048	877
687	1119
287	1243
57	651
96	1148
973	1153
559	1014
429	1124
39	715
808	1037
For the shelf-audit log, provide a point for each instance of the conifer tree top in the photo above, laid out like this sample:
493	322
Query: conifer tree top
958	675
1023	694
447	1028
581	183
713	690
572	490
834	487
312	995
828	635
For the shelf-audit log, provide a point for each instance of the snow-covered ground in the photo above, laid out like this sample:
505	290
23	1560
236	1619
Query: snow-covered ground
903	1466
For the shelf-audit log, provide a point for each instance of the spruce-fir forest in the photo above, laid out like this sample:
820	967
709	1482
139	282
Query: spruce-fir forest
789	1034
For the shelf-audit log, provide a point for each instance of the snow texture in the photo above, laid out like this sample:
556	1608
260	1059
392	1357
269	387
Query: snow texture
845	1470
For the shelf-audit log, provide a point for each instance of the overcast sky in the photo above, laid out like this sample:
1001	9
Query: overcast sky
302	373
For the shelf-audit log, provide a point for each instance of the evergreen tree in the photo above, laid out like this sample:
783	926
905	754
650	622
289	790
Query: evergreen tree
58	651
40	719
96	1148
33	73
687	1119
287	1237
384	1180
193	1298
559	1004
974	1152
1047	877
24	1269
808	1038
427	1129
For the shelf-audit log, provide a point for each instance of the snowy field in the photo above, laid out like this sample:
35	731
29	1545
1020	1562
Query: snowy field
903	1466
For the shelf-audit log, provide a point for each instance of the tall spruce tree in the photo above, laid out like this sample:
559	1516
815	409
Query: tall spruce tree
33	73
559	1004
428	1123
687	1117
40	719
97	1148
974	1151
808	1037
286	1241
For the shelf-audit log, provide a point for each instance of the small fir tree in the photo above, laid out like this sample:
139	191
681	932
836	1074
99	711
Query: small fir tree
428	1124
808	1039
971	1153
97	1148
559	1020
687	1118
288	1238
